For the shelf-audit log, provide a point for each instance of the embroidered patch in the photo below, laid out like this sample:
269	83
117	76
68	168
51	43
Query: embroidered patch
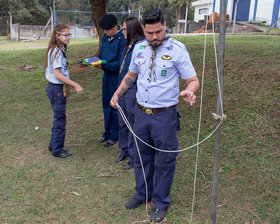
57	57
163	72
166	57
140	55
142	47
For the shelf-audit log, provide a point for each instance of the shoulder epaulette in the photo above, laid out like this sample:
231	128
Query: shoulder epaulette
178	43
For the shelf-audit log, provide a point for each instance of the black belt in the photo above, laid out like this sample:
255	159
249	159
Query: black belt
153	110
61	85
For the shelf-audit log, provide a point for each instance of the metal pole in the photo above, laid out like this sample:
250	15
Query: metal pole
219	110
54	14
11	24
186	18
51	19
234	19
75	26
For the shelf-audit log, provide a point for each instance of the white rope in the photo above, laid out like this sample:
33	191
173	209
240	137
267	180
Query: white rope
217	68
162	150
199	123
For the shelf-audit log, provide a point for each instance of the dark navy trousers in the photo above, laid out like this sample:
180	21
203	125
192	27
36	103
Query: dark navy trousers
58	102
158	130
127	101
111	126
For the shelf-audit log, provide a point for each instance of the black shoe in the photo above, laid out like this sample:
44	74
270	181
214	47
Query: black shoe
62	154
64	150
158	215
121	158
133	203
128	165
101	139
109	143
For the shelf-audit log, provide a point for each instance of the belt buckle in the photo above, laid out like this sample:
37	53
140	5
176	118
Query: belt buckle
148	111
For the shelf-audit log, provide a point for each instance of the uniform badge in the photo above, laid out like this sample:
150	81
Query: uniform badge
142	47
163	72
166	57
140	55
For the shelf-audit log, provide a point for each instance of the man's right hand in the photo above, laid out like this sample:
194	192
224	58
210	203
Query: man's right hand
79	89
114	101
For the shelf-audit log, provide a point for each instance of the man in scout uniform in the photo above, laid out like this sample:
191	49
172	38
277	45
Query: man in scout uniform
112	46
158	62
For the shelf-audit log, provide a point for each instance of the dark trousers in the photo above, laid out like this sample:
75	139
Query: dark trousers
158	130
127	101
111	127
58	102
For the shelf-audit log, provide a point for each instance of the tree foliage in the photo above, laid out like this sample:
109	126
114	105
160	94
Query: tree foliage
31	12
37	12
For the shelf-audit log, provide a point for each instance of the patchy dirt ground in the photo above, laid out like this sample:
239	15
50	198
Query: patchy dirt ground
78	68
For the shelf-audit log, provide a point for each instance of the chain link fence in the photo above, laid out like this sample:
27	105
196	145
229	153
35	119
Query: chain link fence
80	23
5	20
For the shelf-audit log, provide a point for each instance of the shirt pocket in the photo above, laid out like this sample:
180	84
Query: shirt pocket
163	69
140	62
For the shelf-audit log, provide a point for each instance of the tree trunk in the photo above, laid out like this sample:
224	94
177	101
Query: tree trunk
177	18
180	14
98	8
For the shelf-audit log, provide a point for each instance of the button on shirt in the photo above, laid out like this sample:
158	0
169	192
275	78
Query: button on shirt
58	59
172	60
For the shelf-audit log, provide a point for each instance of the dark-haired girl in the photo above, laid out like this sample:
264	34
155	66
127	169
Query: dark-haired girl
133	33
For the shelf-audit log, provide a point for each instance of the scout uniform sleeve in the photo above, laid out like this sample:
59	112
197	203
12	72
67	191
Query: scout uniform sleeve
184	65
57	59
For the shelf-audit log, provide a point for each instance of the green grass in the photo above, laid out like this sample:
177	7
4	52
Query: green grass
35	188
3	38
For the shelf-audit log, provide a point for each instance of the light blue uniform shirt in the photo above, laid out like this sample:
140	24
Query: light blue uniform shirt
172	60
58	59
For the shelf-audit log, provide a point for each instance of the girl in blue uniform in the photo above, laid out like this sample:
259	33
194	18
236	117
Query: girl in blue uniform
57	73
133	33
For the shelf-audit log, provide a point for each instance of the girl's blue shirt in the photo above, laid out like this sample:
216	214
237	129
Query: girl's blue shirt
58	59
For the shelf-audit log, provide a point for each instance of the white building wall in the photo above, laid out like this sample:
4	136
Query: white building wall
199	15
252	8
278	24
264	11
201	4
230	8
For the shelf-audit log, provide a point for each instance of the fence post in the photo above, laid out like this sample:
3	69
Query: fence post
11	23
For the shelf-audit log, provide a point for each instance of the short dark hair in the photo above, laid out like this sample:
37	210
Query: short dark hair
152	16
134	30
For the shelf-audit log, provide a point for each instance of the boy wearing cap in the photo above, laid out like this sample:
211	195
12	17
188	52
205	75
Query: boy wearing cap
112	45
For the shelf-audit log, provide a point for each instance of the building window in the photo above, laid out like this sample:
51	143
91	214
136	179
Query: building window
203	11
